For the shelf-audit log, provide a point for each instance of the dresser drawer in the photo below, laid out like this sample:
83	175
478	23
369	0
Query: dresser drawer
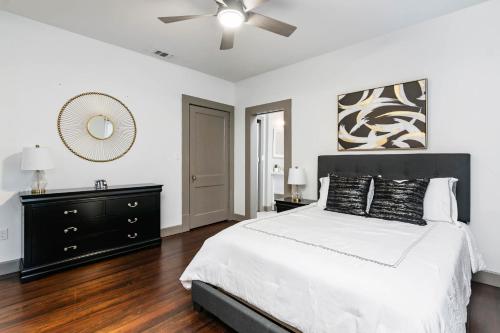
50	251
136	220
70	210
59	230
134	235
133	205
137	229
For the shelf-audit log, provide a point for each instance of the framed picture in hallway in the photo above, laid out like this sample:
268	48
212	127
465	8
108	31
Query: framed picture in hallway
390	117
278	143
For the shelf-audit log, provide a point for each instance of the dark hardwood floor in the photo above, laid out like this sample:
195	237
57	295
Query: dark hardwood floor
142	292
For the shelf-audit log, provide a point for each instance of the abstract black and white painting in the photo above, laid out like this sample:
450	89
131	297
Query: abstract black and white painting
391	117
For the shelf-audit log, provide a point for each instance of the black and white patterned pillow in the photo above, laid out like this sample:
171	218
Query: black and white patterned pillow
399	200
348	195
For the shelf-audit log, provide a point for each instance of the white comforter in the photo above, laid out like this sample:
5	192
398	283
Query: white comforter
320	271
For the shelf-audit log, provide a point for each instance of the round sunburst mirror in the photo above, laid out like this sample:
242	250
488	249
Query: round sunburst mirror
96	127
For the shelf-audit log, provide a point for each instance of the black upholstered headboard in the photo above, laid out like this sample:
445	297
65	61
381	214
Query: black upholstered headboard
405	166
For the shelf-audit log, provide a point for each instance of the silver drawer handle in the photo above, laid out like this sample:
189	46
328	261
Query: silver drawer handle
72	247
69	229
132	205
133	221
132	236
74	211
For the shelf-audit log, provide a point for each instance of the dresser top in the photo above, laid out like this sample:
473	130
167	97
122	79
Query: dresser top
27	196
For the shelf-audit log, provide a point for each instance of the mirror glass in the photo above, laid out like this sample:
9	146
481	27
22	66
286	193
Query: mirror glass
100	127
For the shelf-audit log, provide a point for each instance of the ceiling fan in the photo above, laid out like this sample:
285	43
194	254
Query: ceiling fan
232	14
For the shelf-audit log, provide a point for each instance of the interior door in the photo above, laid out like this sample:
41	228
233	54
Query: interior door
209	166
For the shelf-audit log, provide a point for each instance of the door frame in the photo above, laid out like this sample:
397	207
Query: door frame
260	167
250	114
187	101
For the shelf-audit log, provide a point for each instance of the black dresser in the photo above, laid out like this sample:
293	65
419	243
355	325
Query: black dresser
67	228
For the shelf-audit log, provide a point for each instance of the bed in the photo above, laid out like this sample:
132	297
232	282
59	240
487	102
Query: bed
309	270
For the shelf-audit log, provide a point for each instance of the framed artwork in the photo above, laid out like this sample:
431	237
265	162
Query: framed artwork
391	117
278	143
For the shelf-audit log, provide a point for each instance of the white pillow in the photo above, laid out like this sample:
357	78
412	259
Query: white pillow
371	192
440	203
323	191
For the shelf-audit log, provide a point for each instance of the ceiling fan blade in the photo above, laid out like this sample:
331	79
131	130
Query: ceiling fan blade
270	24
251	4
172	19
227	39
221	2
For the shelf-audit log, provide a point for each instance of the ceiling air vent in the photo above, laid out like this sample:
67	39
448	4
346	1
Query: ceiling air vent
162	54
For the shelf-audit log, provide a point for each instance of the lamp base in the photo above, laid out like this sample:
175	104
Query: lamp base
39	182
296	195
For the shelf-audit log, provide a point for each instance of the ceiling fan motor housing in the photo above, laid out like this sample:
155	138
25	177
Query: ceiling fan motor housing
235	5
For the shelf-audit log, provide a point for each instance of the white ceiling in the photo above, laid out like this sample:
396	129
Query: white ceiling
323	26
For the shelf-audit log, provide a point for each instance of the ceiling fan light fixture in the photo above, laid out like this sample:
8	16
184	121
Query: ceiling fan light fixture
231	18
231	14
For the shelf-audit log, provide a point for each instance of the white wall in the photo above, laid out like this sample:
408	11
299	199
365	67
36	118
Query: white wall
458	53
41	67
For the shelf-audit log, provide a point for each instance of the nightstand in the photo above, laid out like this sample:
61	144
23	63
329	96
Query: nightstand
287	204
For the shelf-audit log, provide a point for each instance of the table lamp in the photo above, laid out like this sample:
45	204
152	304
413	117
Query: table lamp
37	159
296	178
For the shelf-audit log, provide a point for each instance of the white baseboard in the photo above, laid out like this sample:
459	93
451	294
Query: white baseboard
170	231
177	229
489	278
9	267
238	217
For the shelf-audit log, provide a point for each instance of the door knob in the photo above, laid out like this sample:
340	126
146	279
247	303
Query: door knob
193	177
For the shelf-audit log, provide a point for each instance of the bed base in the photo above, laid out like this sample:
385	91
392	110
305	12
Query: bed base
233	313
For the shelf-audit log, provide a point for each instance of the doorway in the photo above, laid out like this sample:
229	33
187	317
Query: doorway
207	162
270	161
268	156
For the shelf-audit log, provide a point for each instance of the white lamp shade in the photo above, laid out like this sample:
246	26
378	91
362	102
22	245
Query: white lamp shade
36	158
296	176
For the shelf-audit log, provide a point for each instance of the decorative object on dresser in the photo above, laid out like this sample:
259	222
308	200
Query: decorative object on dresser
101	184
288	203
96	127
391	117
37	159
67	228
296	178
